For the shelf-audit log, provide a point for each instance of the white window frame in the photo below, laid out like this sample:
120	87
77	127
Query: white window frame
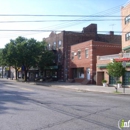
127	19
72	55
49	46
79	56
54	45
59	44
127	36
87	54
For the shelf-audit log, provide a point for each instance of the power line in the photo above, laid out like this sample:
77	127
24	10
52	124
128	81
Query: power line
109	11
60	20
38	15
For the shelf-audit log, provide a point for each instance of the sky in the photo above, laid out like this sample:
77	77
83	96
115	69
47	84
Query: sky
56	7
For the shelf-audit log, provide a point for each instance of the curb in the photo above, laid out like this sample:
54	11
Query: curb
76	89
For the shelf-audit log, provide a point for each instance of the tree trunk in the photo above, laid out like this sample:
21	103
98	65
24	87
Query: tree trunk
25	76
16	73
2	71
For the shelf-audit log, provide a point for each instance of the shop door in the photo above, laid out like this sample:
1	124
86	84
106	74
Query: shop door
88	73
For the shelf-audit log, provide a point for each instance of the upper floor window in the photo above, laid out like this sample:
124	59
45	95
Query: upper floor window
72	55
127	36
127	19
59	57
79	54
59	44
49	46
54	45
86	52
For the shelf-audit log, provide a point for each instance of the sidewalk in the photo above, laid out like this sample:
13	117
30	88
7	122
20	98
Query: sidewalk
78	87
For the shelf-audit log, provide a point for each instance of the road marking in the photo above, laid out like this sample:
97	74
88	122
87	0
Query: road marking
13	86
27	89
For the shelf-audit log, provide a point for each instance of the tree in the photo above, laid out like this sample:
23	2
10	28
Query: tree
116	70
26	53
29	51
45	59
2	61
11	55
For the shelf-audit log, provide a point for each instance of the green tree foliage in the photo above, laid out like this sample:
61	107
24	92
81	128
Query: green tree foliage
26	52
11	56
115	69
2	61
45	59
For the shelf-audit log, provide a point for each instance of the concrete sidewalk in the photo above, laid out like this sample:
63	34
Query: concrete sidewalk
78	87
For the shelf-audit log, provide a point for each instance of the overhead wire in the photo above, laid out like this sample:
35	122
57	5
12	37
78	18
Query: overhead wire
39	21
72	23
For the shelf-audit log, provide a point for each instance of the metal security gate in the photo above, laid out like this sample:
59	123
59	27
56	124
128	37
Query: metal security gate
112	80
126	78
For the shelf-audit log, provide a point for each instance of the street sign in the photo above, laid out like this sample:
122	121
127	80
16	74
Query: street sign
124	64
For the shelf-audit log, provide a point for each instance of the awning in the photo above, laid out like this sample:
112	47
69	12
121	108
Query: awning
52	67
102	66
122	59
126	48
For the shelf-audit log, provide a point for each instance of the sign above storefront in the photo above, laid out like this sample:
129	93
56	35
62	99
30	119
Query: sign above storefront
122	59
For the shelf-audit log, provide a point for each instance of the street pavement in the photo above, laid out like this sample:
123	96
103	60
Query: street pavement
25	106
80	87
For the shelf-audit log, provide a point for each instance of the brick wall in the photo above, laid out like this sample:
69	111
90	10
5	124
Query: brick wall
125	11
69	38
95	49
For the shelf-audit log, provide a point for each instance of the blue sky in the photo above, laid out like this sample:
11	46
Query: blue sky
56	7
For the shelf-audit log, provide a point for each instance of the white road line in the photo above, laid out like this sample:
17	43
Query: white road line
27	89
9	85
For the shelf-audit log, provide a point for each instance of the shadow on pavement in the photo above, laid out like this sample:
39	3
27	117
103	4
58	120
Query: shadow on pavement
9	98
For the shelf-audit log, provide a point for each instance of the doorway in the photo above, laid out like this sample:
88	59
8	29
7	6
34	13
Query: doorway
88	73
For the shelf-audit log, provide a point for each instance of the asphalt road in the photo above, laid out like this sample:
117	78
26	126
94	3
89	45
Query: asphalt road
33	107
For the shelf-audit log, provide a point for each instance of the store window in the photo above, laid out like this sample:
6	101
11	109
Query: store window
126	78
112	80
78	72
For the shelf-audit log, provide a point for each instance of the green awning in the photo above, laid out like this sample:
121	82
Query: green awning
127	64
126	48
102	66
51	67
105	65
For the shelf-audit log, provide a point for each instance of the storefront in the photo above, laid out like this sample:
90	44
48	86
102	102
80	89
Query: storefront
51	73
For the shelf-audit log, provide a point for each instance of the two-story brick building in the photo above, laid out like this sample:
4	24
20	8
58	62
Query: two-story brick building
102	61
63	41
83	59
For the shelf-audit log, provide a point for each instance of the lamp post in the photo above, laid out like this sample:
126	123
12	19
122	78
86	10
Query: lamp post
124	65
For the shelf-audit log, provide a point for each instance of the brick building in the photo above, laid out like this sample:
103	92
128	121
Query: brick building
83	59
62	42
102	61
